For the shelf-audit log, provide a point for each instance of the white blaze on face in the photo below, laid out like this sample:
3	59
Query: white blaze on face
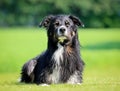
59	33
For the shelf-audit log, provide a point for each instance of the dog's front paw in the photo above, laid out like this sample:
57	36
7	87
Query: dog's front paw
44	85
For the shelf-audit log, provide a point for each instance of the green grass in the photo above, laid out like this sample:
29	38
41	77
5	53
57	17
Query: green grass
100	49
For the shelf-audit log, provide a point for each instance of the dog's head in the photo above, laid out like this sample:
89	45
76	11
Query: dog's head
61	28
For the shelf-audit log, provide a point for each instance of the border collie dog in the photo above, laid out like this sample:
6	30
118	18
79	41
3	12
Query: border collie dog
61	62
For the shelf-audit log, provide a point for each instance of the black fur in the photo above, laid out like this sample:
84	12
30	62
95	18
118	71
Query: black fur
50	67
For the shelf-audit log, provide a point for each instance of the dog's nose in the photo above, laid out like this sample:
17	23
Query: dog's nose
62	30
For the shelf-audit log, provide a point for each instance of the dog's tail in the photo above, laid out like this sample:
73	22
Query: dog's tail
27	74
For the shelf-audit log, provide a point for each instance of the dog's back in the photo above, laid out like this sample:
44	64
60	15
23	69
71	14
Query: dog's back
61	62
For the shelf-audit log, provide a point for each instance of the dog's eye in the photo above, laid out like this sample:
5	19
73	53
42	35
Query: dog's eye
67	23
57	23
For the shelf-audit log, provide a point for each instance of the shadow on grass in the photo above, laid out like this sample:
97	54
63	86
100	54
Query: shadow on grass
108	45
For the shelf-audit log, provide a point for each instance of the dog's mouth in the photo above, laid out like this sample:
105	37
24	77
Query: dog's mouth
63	40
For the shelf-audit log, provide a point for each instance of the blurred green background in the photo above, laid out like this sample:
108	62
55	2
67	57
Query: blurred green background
21	40
94	13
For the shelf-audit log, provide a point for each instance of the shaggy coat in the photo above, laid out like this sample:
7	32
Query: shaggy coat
61	62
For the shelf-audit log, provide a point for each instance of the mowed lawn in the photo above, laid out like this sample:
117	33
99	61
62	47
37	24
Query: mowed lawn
100	49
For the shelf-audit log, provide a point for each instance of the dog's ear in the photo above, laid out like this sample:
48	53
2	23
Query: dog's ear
76	20
46	21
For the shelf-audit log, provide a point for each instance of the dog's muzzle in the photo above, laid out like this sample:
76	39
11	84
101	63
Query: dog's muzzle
62	31
62	35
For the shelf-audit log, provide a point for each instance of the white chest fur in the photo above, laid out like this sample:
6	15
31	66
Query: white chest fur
57	56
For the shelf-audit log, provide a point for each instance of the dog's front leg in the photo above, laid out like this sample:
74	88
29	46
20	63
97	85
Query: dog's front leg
28	71
76	78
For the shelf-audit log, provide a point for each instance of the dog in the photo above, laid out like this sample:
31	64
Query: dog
61	62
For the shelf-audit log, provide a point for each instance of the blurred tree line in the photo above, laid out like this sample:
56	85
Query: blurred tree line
94	13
